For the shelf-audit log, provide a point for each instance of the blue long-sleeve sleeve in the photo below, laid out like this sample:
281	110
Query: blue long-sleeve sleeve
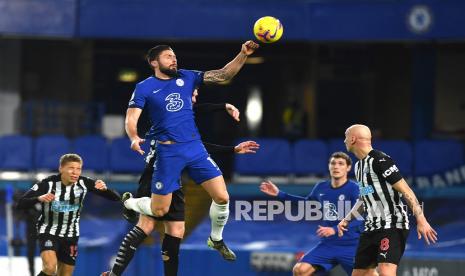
331	209
285	196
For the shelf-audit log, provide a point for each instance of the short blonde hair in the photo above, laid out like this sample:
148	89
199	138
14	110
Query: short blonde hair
70	157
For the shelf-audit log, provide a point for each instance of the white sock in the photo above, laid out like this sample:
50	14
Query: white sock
140	205
219	214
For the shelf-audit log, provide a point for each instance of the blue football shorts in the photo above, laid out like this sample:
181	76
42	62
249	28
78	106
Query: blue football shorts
172	159
326	256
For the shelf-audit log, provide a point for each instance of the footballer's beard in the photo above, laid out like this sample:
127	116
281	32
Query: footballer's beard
173	73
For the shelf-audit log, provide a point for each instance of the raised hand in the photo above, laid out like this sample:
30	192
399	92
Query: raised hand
246	147
269	188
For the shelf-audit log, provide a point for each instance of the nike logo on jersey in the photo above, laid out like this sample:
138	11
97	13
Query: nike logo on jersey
156	91
382	160
322	194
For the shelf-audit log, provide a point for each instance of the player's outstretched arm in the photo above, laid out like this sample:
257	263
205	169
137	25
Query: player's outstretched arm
247	147
100	188
214	107
233	67
242	148
423	227
130	125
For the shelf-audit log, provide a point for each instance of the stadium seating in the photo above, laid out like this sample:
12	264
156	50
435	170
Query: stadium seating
276	157
94	151
400	151
48	150
309	157
337	144
123	159
15	153
273	158
433	156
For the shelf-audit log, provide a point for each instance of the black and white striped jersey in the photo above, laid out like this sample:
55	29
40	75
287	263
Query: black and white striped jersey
61	216
376	173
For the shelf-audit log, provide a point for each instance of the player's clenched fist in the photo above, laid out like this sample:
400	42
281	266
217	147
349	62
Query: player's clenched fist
46	198
249	47
100	185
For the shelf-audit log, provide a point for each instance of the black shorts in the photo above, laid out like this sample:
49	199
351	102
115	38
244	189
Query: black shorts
176	211
380	246
66	248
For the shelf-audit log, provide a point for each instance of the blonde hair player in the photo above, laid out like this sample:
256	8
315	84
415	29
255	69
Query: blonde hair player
61	196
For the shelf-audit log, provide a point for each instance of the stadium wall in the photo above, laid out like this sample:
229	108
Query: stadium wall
226	20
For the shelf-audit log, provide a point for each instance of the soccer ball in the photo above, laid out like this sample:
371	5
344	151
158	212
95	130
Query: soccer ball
268	29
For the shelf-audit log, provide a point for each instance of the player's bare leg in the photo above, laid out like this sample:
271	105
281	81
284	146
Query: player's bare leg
387	269
49	262
175	228
65	269
146	223
219	213
365	272
160	204
303	269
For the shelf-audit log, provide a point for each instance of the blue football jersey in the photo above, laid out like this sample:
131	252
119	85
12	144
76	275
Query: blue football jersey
333	205
169	105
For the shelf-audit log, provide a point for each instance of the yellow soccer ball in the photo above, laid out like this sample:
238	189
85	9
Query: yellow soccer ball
268	29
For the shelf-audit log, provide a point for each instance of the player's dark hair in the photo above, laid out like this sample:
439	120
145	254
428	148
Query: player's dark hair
70	157
340	154
154	53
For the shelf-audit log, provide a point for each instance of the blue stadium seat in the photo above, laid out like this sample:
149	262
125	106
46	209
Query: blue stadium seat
310	157
125	160
94	151
434	156
337	144
273	158
16	153
49	149
400	151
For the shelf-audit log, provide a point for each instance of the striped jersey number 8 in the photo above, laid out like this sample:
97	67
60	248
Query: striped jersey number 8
175	103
